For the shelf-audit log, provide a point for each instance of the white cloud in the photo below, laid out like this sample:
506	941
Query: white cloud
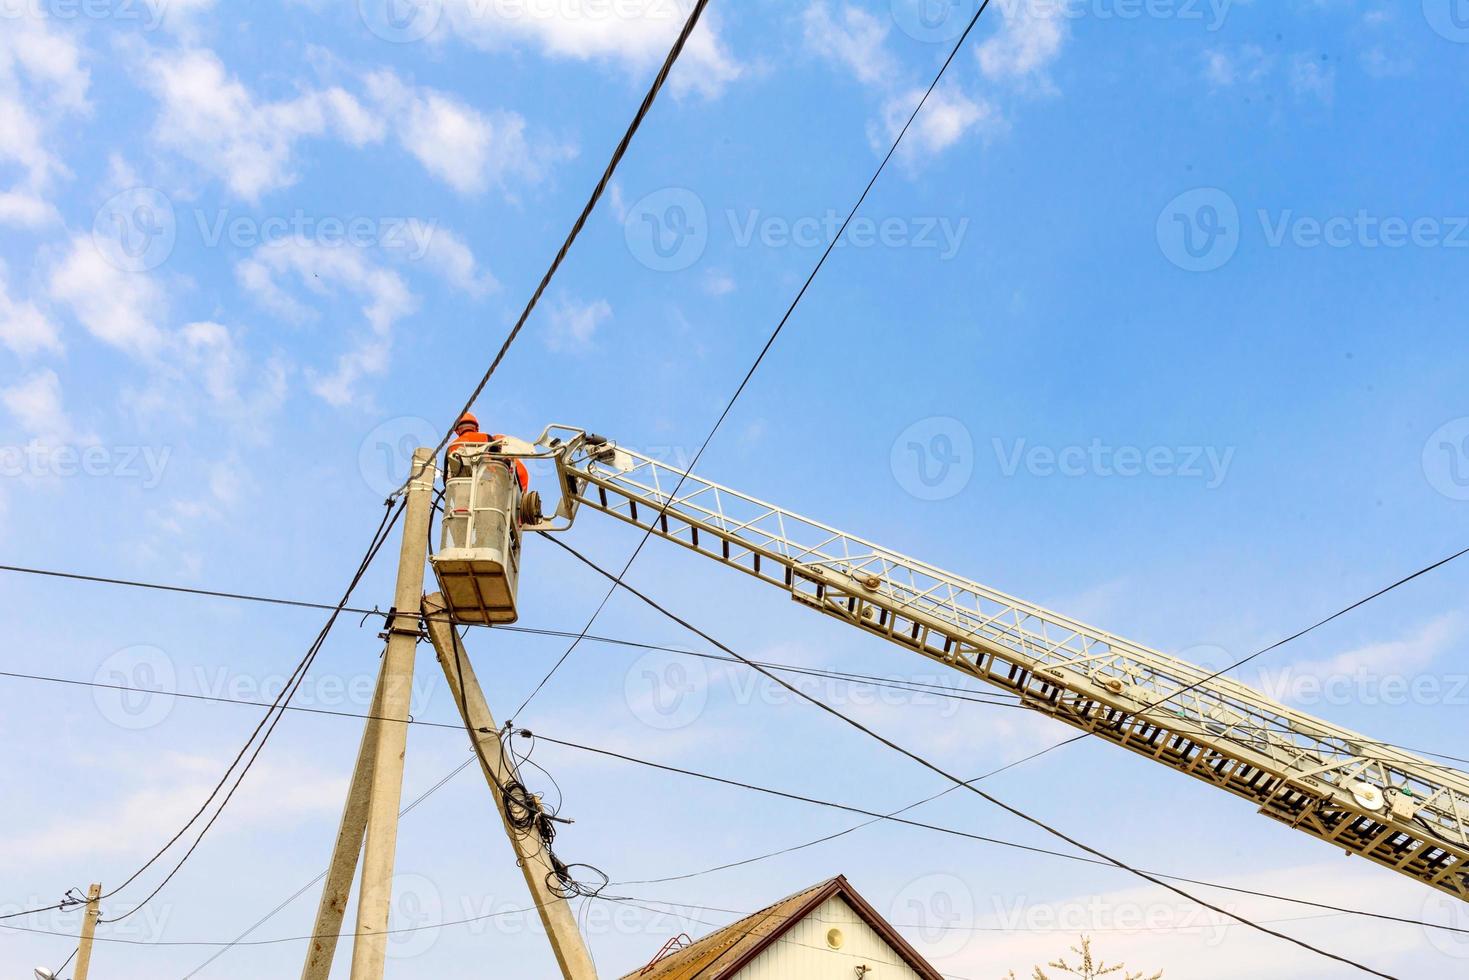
211	353
574	325
24	328
635	34
1030	40
1311	79
1405	657
35	403
209	117
468	149
947	118
450	257
41	81
1246	65
122	309
26	209
327	270
719	284
157	802
853	39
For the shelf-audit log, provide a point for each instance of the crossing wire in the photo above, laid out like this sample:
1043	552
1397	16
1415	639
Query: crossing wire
769	343
941	690
586	212
575	232
891	817
275	712
960	783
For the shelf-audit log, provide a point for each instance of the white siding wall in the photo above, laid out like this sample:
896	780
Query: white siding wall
802	953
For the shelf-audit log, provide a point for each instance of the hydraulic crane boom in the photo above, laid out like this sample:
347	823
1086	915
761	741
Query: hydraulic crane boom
1366	797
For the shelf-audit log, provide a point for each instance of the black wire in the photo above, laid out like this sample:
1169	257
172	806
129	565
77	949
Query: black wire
770	342
940	771
850	830
952	832
268	722
275	942
1312	628
239	940
587	209
940	690
890	817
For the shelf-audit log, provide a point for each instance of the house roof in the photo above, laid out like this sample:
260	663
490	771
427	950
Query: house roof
724	952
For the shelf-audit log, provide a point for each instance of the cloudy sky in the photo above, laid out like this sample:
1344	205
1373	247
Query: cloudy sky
1157	318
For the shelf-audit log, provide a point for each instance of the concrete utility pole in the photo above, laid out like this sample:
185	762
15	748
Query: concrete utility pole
385	793
89	927
556	915
343	869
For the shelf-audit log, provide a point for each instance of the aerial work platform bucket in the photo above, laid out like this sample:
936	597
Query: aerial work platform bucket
478	563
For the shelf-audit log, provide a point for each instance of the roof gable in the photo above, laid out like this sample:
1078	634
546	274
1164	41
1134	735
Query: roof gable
724	952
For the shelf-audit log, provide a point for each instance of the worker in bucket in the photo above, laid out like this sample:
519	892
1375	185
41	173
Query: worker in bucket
467	433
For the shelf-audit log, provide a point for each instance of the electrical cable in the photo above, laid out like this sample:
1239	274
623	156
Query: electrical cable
1312	628
586	212
941	690
850	830
890	817
987	797
966	835
268	722
239	940
769	343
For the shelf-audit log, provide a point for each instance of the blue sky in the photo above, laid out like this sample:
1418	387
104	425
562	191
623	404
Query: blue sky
1156	319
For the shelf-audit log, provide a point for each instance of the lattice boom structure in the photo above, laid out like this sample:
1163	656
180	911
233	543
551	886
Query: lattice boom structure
1366	797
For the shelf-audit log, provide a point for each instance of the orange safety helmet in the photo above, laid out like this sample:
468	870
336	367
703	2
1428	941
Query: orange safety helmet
467	419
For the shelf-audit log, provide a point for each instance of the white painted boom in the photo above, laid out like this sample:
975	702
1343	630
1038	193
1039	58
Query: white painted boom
1366	797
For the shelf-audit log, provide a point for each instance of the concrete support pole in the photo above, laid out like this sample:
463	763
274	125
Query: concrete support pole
343	869
89	928
369	954
556	915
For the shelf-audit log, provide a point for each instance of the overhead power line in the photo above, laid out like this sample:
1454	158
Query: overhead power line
941	690
967	835
586	212
940	771
891	817
769	343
